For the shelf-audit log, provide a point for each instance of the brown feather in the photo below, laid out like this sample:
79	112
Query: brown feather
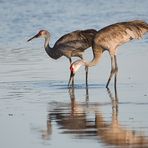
109	38
115	35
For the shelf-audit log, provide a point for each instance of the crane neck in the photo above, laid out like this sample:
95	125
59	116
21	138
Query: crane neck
94	61
47	47
52	52
97	56
46	43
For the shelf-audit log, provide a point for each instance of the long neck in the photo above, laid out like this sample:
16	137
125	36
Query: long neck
97	52
46	43
48	49
52	52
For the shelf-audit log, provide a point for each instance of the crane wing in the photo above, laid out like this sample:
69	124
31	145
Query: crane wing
116	34
77	36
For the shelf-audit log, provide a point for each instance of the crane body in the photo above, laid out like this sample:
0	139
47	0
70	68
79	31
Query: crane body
69	45
110	38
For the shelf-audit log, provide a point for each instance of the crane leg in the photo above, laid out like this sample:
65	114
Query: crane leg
114	70
70	61
86	70
114	100
70	75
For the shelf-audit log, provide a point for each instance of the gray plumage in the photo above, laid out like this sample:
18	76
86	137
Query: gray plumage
109	38
69	45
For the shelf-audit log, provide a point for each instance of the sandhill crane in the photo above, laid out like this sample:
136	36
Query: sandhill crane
69	45
109	38
74	119
113	133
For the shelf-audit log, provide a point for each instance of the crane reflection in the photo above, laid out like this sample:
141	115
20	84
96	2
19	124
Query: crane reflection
87	121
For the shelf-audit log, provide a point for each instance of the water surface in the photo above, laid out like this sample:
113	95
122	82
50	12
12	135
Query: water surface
36	107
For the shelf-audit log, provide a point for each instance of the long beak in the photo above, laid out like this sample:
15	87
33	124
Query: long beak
71	79
36	36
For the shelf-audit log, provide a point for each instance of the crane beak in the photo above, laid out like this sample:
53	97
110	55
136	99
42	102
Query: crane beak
36	36
71	79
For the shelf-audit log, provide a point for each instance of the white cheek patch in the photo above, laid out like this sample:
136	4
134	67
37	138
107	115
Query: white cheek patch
76	68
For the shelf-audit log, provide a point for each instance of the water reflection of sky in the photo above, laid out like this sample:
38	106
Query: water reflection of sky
19	18
87	121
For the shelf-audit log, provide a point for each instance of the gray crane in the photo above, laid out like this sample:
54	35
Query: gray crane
69	45
109	38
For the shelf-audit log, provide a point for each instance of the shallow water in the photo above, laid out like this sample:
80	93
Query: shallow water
36	107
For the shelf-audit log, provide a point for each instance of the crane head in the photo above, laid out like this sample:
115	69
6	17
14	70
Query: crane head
41	33
74	67
72	74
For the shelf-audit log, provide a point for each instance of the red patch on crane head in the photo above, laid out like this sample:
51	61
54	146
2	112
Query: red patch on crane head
72	68
42	32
